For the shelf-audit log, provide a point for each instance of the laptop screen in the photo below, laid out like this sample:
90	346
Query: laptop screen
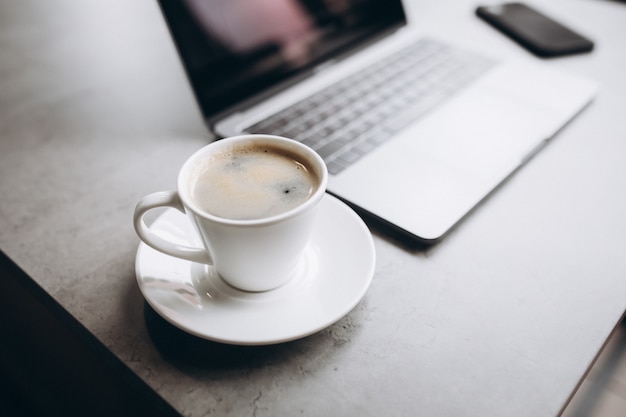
235	49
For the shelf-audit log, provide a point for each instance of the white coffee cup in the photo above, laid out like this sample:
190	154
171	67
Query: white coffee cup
251	254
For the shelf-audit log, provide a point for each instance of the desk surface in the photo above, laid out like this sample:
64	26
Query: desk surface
503	317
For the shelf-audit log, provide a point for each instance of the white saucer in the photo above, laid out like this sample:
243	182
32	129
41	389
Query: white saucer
333	275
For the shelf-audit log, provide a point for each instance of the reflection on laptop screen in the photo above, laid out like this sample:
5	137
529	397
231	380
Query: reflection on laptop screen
234	49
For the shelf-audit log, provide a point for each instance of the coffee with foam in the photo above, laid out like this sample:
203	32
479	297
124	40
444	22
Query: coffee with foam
252	182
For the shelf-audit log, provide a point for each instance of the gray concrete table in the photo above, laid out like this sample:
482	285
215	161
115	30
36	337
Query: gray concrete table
503	317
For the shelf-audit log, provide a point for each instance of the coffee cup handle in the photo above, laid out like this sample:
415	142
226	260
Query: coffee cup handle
165	199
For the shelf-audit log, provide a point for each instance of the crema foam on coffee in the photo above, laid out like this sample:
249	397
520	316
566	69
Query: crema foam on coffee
252	183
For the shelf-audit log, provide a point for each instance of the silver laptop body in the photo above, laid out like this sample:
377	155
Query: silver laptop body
421	174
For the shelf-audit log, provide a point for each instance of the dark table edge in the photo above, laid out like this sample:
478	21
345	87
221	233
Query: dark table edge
50	364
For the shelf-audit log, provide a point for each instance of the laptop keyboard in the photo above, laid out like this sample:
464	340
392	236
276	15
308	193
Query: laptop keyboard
348	119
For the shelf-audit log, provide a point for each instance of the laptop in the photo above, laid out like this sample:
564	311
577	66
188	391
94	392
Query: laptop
415	131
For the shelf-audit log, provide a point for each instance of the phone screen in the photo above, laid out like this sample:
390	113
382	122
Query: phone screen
534	30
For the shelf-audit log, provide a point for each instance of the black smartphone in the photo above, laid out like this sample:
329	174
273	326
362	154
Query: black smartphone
533	30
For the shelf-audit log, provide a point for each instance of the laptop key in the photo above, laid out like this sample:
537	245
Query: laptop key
335	166
330	148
